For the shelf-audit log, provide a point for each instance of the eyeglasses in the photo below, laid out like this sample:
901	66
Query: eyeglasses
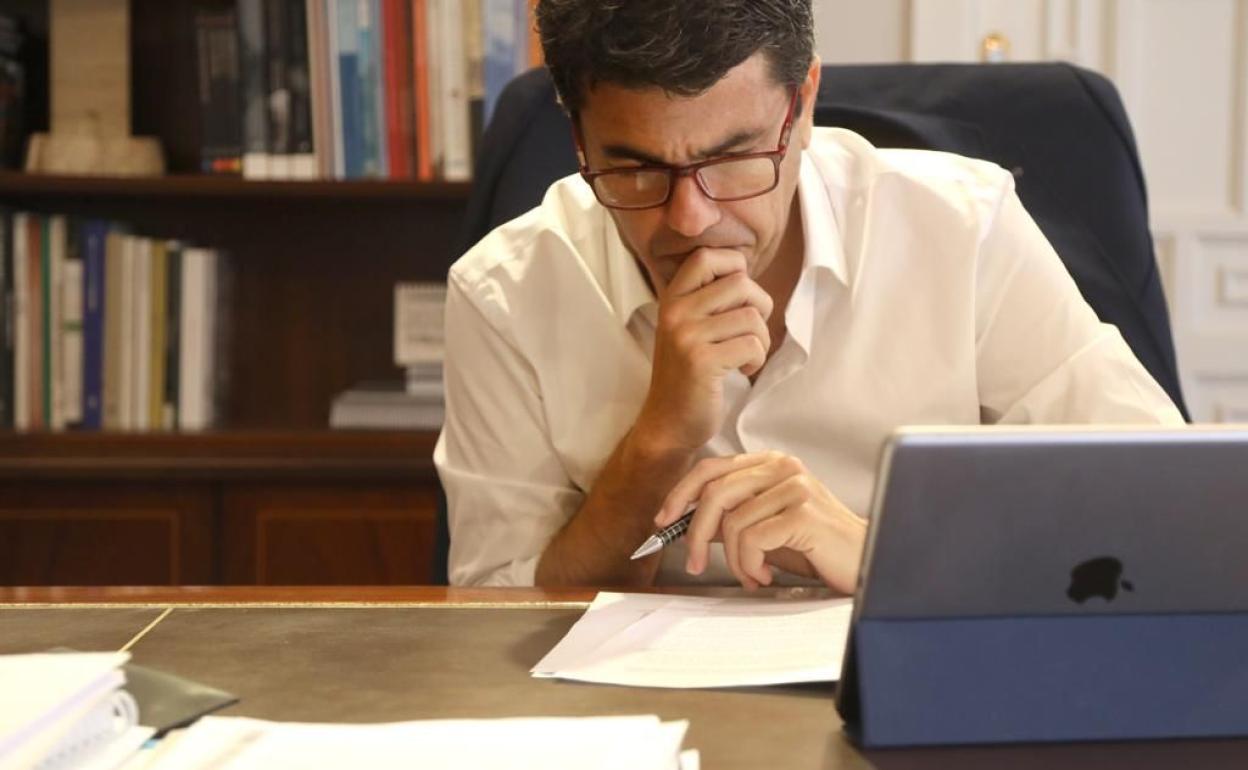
727	178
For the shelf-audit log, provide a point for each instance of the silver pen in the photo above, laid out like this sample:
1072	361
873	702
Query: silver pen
665	536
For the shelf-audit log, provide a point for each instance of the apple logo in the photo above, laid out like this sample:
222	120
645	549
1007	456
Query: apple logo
1097	577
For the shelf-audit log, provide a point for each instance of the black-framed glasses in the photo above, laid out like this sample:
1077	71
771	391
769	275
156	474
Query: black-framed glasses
726	178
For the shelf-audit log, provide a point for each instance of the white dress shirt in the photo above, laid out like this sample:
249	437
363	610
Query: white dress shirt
927	296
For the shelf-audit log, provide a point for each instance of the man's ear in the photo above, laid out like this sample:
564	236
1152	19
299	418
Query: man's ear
808	92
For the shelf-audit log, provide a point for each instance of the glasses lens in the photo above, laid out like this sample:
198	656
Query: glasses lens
631	189
738	178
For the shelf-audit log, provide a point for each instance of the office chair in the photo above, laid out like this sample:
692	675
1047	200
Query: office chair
1061	130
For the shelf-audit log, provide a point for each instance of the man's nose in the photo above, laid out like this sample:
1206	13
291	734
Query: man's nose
689	211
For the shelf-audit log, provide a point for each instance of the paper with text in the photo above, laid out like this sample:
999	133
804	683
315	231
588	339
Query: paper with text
679	641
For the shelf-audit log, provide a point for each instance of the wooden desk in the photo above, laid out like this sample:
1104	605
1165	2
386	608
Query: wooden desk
383	654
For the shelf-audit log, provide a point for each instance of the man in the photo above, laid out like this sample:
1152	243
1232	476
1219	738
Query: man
733	308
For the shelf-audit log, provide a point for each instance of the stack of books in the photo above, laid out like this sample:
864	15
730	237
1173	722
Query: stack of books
104	329
416	402
345	89
67	710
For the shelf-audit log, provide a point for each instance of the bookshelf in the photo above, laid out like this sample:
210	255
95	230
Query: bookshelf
271	496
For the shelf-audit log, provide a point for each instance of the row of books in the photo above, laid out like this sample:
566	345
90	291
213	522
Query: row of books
348	89
107	330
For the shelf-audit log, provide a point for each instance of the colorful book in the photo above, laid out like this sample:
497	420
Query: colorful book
397	54
421	94
372	87
351	105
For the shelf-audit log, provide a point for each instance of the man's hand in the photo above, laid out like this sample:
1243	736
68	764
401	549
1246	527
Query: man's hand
769	511
712	319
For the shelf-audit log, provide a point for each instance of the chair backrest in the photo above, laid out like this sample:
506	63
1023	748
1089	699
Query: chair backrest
1061	130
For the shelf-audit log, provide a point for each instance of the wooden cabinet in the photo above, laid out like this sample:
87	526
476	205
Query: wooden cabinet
316	533
299	508
105	532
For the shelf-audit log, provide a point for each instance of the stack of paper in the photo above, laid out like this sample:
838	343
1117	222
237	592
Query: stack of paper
66	710
651	640
595	743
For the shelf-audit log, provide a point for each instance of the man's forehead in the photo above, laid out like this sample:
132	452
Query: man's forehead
643	122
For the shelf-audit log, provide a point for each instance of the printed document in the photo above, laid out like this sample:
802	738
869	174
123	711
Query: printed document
650	640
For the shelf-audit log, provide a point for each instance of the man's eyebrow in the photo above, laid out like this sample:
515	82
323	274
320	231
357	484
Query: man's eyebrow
631	153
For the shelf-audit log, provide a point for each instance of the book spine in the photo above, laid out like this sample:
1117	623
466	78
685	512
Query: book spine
54	332
116	244
456	132
216	42
534	57
336	98
155	405
420	91
141	333
71	326
71	343
277	61
433	65
351	105
255	88
173	336
191	361
319	88
369	78
474	64
21	321
500	50
39	324
7	309
299	80
94	235
127	366
397	57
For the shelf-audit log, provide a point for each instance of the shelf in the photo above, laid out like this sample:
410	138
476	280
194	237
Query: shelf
311	454
200	187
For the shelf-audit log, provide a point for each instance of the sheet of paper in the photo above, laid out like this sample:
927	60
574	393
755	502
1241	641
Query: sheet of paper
596	743
655	641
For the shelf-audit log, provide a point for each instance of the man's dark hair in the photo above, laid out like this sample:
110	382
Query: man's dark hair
681	46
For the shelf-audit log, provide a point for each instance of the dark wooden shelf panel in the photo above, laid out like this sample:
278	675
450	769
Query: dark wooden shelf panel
194	187
304	455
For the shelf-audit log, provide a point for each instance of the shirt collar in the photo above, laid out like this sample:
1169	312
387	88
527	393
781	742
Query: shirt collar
630	291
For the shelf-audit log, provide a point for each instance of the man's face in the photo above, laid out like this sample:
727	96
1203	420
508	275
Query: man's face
741	113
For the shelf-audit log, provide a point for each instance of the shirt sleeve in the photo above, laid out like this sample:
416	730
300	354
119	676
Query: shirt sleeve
1042	355
507	494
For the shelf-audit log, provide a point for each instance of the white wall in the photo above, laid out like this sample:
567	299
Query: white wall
1182	69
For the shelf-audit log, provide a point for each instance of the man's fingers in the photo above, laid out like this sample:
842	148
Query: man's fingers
760	508
702	267
689	489
765	537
